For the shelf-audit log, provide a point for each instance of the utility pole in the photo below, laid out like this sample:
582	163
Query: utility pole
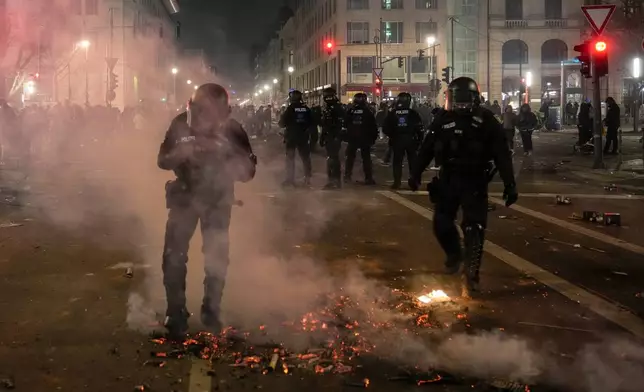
451	19
597	117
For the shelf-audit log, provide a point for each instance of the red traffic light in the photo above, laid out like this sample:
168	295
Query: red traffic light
329	45
600	46
377	81
377	91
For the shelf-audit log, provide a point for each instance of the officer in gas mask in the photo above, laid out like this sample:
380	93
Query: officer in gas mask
331	137
362	133
208	153
404	128
463	140
298	124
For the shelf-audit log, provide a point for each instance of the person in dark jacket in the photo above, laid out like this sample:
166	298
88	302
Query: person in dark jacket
585	123
527	124
208	152
612	123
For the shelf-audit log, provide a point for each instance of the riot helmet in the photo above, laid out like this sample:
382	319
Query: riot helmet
329	95
403	101
208	107
462	95
360	99
295	96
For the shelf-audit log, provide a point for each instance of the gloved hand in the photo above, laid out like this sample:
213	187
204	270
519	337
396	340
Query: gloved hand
414	184
510	194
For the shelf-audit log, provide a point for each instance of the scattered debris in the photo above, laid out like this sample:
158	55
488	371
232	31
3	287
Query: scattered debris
129	272
563	200
619	273
607	218
611	188
141	388
8	383
511	217
9	224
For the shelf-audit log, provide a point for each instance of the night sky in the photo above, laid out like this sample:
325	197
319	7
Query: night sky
226	30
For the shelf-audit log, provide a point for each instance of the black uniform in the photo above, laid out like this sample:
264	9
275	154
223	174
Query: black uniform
316	112
463	143
331	137
404	127
362	133
206	167
298	121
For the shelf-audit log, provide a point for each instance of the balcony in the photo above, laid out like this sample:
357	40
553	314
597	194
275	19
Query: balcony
499	22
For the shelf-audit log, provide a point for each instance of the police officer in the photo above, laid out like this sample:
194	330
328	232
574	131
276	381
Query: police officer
463	140
331	136
298	122
208	152
316	112
362	133
404	128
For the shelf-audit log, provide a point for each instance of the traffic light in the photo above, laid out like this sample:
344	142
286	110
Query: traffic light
446	72
600	57
329	47
378	84
400	62
584	58
421	54
114	81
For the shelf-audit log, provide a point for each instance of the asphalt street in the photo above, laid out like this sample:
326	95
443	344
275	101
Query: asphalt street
562	305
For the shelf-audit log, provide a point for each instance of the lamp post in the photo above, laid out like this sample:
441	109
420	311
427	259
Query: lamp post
175	71
85	44
431	42
290	70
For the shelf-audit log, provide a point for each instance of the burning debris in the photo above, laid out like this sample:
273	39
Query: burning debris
342	335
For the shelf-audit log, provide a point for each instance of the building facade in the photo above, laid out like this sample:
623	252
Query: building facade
508	46
94	52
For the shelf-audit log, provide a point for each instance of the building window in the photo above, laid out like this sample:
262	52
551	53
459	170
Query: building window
76	7
360	65
358	32
513	9
553	9
392	4
426	4
469	8
91	7
391	32
424	30
357	4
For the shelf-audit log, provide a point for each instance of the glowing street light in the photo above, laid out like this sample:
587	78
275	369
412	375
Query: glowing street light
175	70
189	81
290	69
275	81
267	87
196	87
260	91
431	40
256	94
85	44
528	79
637	68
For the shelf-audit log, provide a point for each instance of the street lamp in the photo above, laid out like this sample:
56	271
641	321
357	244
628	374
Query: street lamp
174	71
267	87
290	70
189	81
431	40
275	81
85	44
637	68
260	91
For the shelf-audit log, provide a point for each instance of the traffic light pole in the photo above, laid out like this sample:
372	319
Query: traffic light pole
597	119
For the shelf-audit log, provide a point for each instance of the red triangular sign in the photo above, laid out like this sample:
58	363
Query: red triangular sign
598	15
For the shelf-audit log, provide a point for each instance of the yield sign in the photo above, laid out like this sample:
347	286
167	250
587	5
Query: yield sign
378	73
111	62
598	15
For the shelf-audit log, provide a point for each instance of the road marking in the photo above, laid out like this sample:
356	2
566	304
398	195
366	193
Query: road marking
547	195
598	305
200	381
576	228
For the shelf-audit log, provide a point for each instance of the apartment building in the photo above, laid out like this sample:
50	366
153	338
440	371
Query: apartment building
137	37
401	27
